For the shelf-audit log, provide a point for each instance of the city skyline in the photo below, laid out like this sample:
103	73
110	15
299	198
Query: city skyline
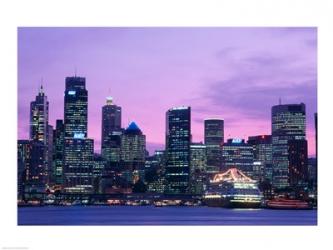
204	79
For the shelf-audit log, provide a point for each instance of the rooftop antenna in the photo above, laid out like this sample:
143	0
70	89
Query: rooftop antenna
75	70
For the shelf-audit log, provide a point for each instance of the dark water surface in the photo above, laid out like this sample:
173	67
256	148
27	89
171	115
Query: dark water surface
150	215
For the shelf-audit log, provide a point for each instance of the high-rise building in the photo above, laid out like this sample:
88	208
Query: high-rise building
76	108
32	158
262	154
133	152
58	152
39	128
78	165
49	153
39	117
78	149
288	123
111	131
198	168
298	163
23	164
238	154
316	129
178	140
214	138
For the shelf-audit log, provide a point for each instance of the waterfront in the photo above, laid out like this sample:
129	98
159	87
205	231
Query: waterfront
171	215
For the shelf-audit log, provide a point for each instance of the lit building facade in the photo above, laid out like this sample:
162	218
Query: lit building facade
238	154
178	140
198	168
288	123
214	138
262	156
133	152
78	149
78	165
298	163
76	108
58	152
111	131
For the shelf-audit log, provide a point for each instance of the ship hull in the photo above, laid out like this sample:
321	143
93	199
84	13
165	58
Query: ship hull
220	202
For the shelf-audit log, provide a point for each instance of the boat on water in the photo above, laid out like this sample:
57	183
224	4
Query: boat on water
233	189
284	203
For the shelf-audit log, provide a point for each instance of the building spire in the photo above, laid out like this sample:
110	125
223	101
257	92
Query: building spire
41	90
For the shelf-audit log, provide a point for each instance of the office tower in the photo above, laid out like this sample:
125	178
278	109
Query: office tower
78	149
313	176
298	163
49	153
39	117
39	128
178	140
76	108
58	152
111	132
111	121
238	154
288	123
214	138
154	172
262	154
78	165
198	167
23	163
31	164
133	153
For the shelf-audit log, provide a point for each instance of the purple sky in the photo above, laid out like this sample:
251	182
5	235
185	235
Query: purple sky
233	73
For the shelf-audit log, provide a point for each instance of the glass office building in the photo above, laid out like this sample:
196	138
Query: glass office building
178	140
288	123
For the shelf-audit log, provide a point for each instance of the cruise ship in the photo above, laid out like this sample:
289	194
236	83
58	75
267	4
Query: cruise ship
233	189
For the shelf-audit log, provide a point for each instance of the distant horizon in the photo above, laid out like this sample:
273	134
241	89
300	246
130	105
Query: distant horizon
235	74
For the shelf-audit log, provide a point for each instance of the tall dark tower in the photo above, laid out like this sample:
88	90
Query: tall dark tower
76	108
288	123
178	141
78	149
111	127
214	138
316	127
39	117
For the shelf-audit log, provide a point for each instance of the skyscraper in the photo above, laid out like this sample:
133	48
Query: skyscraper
214	138
238	154
76	108
298	163
78	149
262	154
178	140
111	131
198	168
133	152
39	117
288	123
39	131
58	152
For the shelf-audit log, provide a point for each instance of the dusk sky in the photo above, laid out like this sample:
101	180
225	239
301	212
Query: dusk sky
236	74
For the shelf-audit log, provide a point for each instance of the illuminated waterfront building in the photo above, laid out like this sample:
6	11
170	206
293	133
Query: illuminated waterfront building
76	108
262	156
298	163
111	131
178	140
133	152
198	168
288	123
23	163
39	117
78	149
214	138
238	154
78	165
154	172
58	152
39	127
